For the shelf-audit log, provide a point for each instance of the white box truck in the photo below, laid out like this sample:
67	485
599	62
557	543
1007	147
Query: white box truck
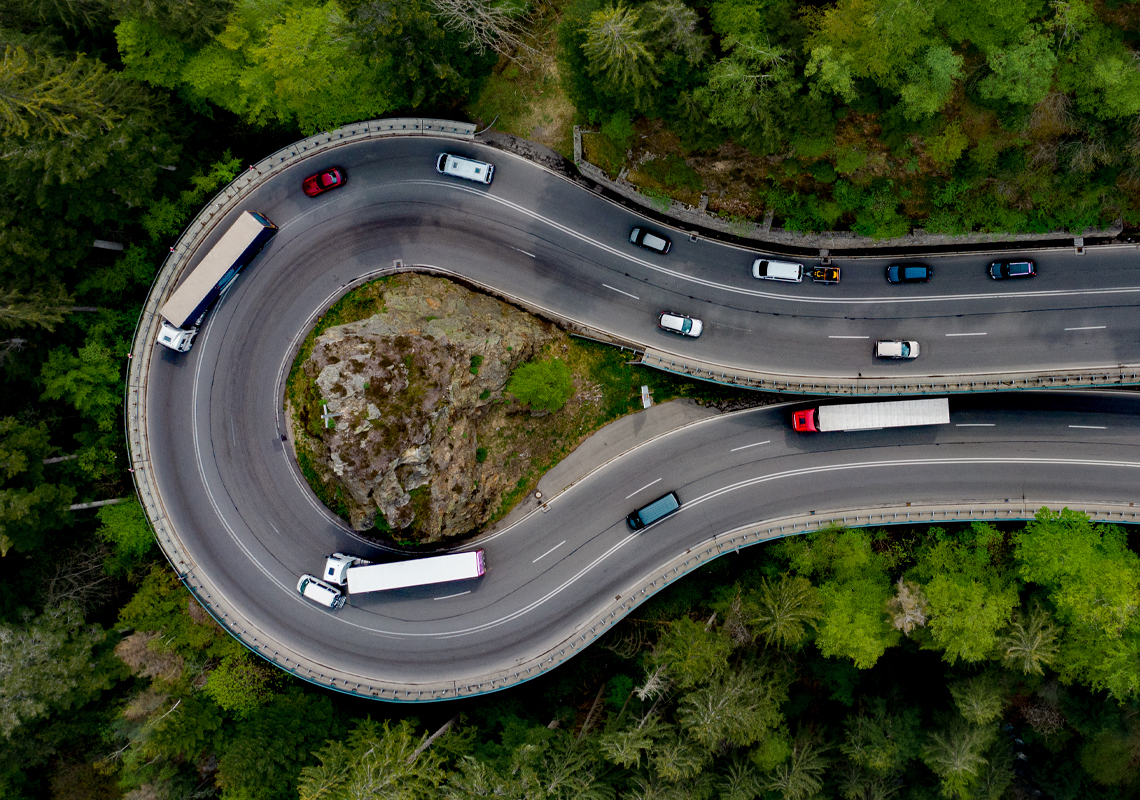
358	575
865	416
184	309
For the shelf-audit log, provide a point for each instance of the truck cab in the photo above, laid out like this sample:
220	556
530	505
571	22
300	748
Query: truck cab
337	565
176	338
804	421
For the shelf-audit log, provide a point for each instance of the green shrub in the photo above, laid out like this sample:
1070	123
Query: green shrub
948	146
125	526
673	172
542	384
619	130
823	172
476	362
481	454
850	159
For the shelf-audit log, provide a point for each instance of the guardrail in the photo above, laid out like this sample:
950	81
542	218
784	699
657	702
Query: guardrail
1123	375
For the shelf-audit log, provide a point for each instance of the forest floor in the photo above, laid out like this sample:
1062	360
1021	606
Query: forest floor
525	97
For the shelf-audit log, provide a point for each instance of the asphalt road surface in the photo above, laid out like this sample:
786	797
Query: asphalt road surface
232	490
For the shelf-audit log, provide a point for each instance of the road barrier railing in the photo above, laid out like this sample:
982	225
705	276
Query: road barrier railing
687	366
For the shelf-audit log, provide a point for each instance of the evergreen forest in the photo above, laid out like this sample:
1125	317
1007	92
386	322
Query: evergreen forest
972	662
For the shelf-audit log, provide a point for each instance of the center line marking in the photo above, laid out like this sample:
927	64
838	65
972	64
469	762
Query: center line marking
525	253
848	337
548	552
619	291
745	447
1089	427
1088	328
967	334
643	488
974	425
448	597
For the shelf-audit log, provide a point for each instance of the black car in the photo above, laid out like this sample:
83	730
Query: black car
908	273
1012	269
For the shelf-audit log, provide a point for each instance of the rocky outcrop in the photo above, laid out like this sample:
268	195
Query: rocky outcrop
411	388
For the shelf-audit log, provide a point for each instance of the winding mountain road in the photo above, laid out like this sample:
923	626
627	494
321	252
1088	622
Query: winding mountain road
247	521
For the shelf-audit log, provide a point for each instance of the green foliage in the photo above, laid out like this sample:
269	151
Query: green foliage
374	758
673	173
29	506
49	662
854	587
957	756
1030	644
273	743
1093	582
619	130
1022	73
737	709
980	699
616	53
930	82
969	598
542	385
88	379
879	742
783	611
125	527
801	776
476	362
692	652
242	683
948	146
1109	757
167	217
265	65
748	90
161	604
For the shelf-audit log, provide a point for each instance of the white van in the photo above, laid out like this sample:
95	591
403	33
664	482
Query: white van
320	592
468	168
777	270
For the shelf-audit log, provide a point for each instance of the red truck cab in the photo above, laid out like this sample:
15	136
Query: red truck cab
804	421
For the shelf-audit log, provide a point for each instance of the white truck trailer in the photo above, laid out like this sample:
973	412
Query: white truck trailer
359	576
866	416
215	273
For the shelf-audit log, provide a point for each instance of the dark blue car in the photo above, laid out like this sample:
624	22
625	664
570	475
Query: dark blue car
908	273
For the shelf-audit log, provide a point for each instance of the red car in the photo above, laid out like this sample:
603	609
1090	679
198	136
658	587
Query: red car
331	178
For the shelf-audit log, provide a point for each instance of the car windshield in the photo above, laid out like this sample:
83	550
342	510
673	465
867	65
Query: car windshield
905	350
686	326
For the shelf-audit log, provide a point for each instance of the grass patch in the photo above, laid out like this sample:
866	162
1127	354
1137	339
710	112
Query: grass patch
671	173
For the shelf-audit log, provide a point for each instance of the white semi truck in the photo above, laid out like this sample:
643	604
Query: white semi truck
186	307
358	575
866	416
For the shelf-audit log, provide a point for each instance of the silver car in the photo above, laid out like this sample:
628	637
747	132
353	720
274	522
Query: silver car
679	323
895	349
